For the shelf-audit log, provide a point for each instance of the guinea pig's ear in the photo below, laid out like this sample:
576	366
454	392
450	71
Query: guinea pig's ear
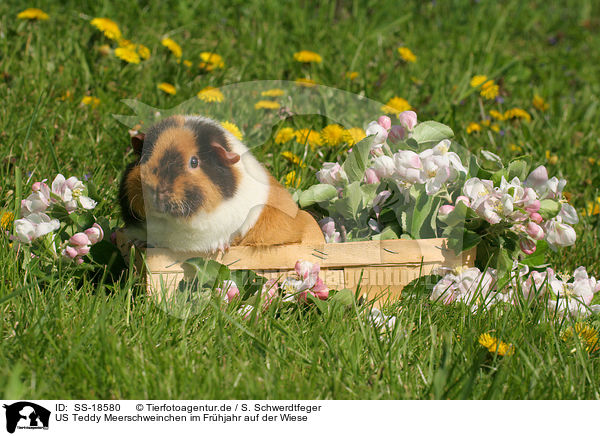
228	156
137	142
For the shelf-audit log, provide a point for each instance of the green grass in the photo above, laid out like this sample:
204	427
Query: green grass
68	338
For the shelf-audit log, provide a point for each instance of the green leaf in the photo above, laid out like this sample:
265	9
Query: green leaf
343	296
518	168
209	273
357	162
350	203
423	207
386	233
491	161
429	132
316	194
549	208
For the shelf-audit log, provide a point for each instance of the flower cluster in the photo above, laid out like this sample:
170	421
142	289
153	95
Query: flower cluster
39	212
526	206
563	296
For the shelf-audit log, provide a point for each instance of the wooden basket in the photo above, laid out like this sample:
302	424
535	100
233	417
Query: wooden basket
382	268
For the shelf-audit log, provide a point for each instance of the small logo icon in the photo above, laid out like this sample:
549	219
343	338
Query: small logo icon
26	415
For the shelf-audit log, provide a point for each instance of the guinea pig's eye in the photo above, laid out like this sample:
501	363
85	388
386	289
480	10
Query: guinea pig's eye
194	162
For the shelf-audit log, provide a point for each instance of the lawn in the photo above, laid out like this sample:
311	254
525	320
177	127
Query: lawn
73	336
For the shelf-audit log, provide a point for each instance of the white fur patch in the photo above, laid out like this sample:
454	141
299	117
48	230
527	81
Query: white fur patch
211	231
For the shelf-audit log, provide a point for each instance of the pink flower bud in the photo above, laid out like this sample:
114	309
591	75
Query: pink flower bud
535	231
95	233
463	199
408	119
371	176
79	239
536	217
533	207
82	250
527	246
36	186
445	210
79	261
396	134
70	252
385	122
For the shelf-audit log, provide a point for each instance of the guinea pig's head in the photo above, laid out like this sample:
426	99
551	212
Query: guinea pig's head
186	167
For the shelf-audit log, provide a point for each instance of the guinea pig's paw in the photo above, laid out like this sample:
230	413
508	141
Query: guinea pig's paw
138	243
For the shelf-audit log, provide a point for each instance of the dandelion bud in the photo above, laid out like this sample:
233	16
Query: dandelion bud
385	122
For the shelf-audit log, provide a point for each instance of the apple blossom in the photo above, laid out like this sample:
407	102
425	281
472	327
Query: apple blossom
380	132
408	120
385	122
332	174
95	233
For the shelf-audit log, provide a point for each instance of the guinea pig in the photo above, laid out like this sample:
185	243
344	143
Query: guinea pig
196	187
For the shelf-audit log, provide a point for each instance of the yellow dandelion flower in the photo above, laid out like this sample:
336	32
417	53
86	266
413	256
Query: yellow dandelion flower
473	127
495	127
539	103
587	335
143	51
352	75
355	135
33	14
489	90
551	158
310	137
407	55
496	115
303	81
211	61
172	46
485	123
293	158
275	92
89	100
593	207
284	135
233	129
591	160
478	80
108	27
395	105
307	56
493	345
128	55
516	148
6	220
211	94
517	113
292	180
334	135
167	87
266	104
188	63
126	43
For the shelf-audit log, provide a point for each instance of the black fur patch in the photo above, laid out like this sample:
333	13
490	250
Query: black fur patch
218	171
152	136
170	166
193	199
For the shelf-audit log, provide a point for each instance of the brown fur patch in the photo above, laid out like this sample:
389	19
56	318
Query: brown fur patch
281	222
133	187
